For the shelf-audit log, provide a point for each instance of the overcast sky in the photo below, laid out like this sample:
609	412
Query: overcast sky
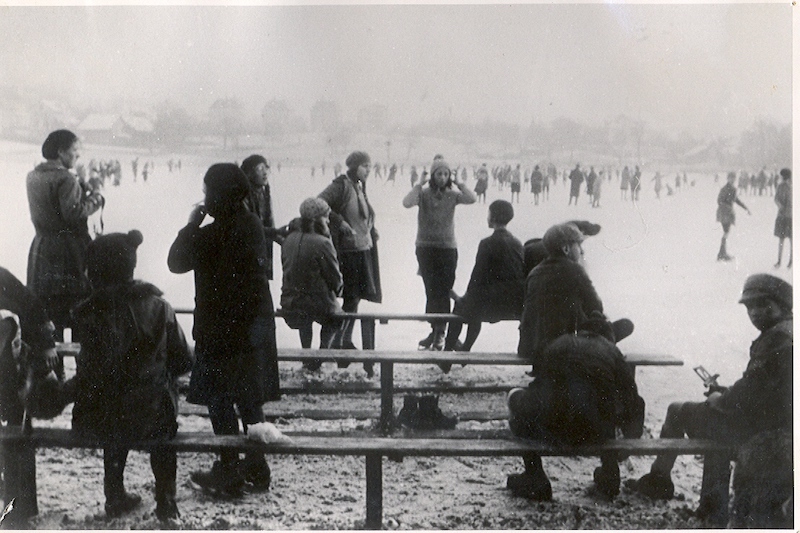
699	68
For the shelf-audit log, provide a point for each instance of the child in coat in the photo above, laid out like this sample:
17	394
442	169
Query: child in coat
132	352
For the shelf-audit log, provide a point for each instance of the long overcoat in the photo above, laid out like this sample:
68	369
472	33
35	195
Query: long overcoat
234	318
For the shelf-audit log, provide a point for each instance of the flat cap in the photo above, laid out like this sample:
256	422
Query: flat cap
767	286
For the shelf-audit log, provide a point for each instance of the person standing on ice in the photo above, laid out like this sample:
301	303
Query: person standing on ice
352	227
234	323
60	205
576	179
437	254
783	222
259	201
725	215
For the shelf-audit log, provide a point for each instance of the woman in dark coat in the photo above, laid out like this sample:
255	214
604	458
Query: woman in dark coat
60	204
234	321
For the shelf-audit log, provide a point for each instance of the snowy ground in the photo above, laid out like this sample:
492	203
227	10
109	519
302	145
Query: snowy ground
654	262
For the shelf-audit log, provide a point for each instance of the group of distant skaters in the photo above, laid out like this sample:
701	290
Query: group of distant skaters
582	391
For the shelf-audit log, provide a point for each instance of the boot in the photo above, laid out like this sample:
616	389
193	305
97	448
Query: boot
122	504
431	417
256	472
425	343
606	478
409	414
118	502
223	480
530	486
655	485
723	253
438	338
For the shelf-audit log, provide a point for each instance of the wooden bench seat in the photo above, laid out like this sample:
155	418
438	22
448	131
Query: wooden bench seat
388	358
19	450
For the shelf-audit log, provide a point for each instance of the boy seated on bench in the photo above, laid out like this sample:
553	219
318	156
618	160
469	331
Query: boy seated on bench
496	287
580	375
132	352
760	400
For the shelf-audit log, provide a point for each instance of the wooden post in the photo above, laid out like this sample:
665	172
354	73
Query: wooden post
19	472
367	334
387	398
374	491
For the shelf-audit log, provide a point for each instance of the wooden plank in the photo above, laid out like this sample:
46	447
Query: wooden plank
422	357
382	317
339	446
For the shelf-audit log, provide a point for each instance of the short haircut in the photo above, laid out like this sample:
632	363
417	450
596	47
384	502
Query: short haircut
57	141
501	212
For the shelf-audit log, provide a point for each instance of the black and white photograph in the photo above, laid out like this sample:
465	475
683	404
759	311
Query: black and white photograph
404	266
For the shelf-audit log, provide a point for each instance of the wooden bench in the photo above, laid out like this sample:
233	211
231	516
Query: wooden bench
387	360
20	454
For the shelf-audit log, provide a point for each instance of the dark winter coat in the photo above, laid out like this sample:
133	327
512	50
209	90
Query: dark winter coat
575	178
37	335
234	319
132	351
311	276
762	399
725	200
559	296
259	202
595	360
496	287
59	206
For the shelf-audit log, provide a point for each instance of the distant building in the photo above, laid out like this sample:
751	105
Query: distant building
115	129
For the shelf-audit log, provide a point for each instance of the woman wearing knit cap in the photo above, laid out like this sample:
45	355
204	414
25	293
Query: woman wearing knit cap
352	221
126	390
234	322
311	277
60	204
436	241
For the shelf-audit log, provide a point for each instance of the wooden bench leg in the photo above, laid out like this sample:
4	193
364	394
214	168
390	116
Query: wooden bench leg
367	334
715	489
387	421
19	475
374	491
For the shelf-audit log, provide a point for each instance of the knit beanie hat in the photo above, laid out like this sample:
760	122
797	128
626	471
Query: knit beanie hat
314	208
356	159
439	164
111	258
561	235
767	286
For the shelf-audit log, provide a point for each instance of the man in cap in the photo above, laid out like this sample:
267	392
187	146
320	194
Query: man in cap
760	400
560	302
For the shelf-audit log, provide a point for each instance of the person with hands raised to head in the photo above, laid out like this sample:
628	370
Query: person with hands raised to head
437	254
234	322
60	204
